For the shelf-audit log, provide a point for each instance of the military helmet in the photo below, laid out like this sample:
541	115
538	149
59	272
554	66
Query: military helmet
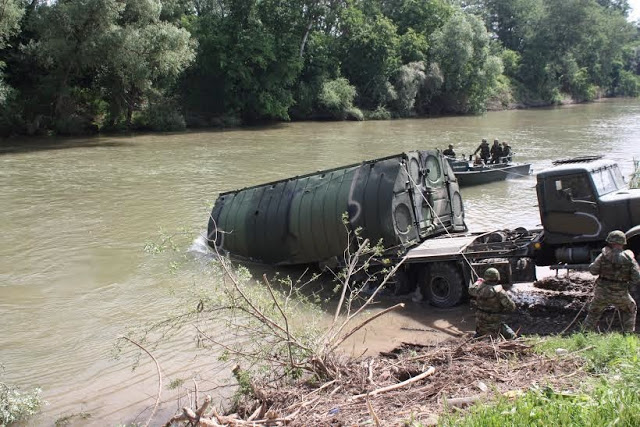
492	274
617	236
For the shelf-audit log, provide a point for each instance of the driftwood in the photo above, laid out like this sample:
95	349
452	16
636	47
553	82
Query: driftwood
423	375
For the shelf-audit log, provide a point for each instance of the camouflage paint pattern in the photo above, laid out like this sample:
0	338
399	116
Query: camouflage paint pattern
491	301
617	271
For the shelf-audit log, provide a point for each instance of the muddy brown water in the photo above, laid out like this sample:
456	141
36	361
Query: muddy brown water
76	214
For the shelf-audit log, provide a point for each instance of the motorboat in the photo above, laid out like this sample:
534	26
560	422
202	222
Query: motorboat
471	173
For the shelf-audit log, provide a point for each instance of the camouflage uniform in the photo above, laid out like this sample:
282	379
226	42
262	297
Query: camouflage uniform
496	152
485	153
617	270
491	301
506	152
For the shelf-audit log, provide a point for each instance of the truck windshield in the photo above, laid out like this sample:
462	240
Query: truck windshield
574	186
605	181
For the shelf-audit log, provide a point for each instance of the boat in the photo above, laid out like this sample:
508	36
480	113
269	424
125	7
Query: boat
397	200
469	174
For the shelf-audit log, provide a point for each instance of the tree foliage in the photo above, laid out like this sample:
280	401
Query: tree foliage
76	66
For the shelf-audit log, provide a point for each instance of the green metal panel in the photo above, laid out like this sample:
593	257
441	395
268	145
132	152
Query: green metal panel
299	220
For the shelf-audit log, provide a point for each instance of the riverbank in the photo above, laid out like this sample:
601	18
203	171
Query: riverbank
459	382
426	384
198	123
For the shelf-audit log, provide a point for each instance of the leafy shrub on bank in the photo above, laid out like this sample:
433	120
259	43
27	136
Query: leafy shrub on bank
629	84
336	97
161	115
380	113
16	405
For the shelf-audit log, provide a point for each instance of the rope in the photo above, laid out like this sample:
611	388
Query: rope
435	215
511	173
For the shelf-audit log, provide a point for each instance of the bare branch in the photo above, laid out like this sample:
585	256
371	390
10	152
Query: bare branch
159	394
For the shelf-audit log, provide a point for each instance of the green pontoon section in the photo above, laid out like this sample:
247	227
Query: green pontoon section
400	199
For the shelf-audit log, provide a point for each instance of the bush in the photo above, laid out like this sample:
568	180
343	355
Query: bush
354	113
629	84
161	115
511	62
380	113
581	88
336	97
75	124
16	405
409	79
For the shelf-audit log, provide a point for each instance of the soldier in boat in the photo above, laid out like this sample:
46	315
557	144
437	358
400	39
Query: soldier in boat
449	152
485	153
506	152
496	152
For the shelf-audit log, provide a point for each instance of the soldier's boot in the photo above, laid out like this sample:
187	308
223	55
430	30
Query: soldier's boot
507	332
628	321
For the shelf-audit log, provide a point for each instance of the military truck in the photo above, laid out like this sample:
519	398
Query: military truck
411	202
580	201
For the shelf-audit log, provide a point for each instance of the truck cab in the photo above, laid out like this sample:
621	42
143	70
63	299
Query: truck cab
580	202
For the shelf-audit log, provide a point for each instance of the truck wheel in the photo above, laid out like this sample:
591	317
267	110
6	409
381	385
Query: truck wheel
442	283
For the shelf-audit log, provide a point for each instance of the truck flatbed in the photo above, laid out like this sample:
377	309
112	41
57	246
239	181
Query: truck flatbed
475	245
441	249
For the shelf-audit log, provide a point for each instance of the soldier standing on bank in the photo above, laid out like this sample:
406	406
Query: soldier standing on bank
617	271
492	302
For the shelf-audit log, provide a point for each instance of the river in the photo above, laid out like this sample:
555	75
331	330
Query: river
76	214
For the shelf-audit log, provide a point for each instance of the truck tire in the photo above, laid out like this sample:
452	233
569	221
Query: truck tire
443	284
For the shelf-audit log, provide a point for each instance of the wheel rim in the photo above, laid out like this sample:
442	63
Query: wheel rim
440	288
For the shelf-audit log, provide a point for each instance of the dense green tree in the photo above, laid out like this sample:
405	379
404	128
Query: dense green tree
408	81
461	48
248	61
96	59
369	55
11	13
579	57
423	16
513	21
75	65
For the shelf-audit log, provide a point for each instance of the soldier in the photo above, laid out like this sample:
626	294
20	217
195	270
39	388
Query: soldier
492	301
506	152
483	148
496	151
617	270
449	151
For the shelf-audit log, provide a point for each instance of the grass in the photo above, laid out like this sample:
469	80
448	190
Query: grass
610	396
